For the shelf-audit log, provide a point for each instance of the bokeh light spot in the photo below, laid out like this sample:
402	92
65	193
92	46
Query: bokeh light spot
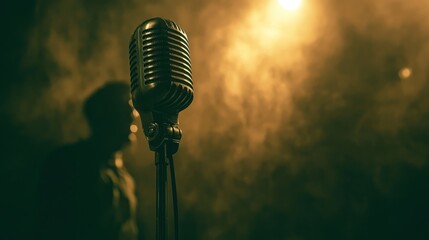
132	137
405	73
135	113
134	128
118	160
290	5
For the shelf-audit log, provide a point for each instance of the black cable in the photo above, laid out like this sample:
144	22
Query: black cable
174	196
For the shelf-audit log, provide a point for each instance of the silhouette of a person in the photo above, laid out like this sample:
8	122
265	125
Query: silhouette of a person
85	193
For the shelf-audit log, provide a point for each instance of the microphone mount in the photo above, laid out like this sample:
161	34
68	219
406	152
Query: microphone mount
161	128
163	134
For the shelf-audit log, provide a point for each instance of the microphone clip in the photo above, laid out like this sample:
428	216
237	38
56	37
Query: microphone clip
160	128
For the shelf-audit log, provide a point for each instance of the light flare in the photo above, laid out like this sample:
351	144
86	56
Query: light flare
290	5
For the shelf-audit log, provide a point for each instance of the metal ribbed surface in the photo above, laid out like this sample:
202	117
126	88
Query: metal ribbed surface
166	57
134	68
160	63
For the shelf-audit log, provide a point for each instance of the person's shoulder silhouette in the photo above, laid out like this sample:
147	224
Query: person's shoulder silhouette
85	193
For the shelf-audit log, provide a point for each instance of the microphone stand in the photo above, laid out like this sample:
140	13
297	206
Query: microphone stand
163	134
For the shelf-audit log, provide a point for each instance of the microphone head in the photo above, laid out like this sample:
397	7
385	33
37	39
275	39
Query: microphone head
160	67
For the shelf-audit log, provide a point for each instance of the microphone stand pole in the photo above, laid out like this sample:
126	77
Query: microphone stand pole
161	193
163	134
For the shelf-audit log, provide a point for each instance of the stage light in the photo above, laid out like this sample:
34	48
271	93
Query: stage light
290	5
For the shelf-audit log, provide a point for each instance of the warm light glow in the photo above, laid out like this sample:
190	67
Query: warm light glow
118	159
405	73
290	5
132	137
119	163
136	113
134	128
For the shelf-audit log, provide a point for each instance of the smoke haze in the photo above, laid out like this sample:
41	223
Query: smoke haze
303	125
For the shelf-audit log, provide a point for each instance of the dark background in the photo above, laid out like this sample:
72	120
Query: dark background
305	124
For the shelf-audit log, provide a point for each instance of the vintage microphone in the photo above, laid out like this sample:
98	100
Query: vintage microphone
161	87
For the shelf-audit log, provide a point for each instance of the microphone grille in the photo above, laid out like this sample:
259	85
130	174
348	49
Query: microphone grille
160	59
134	65
166	55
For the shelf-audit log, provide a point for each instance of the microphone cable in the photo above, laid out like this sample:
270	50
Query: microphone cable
174	195
175	202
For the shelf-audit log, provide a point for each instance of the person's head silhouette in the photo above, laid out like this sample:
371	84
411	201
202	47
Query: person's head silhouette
84	194
108	114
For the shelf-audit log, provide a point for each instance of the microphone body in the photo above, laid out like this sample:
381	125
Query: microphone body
160	67
161	79
161	87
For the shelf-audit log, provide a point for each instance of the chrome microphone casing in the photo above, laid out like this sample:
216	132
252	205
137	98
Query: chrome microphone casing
161	79
160	67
